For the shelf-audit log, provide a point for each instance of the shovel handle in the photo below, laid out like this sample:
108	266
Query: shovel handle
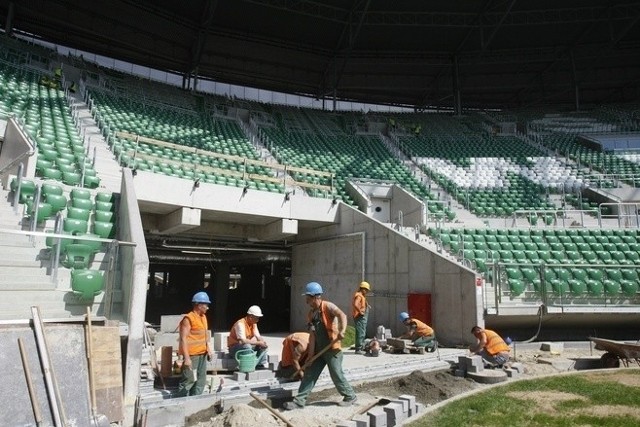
32	394
315	356
273	411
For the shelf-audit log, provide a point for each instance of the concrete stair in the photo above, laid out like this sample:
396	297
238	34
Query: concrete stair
106	166
25	268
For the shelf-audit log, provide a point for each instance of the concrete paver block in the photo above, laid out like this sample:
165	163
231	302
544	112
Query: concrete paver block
411	403
420	407
220	341
239	376
553	347
273	358
471	363
404	403
262	374
512	373
362	420
518	367
377	417
395	414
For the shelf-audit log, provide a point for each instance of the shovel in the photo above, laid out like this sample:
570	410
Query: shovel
97	420
363	410
273	411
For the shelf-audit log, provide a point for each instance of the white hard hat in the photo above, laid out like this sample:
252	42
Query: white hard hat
254	310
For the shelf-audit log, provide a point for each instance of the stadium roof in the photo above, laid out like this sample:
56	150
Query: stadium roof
495	54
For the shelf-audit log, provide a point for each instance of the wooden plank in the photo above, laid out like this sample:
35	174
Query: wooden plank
107	365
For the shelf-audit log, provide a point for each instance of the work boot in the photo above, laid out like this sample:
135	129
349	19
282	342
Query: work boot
290	406
348	401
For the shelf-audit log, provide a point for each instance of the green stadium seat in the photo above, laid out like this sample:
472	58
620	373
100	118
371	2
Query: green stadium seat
629	287
516	287
75	226
106	230
611	287
594	287
577	287
87	283
77	256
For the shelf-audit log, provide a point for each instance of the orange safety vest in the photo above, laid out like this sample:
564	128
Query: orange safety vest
495	344
359	306
197	338
249	332
288	345
327	320
422	329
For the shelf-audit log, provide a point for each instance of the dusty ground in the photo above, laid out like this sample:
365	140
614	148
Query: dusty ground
428	388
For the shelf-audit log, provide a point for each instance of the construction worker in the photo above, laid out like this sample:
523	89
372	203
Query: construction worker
295	352
194	347
360	313
245	335
490	346
324	344
421	334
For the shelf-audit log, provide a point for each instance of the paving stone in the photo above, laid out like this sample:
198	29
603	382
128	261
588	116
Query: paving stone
512	373
518	367
261	374
239	376
220	341
420	407
459	373
553	347
411	403
395	414
273	358
362	420
377	417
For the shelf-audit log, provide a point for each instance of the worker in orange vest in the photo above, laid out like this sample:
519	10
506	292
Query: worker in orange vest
421	334
360	314
490	346
327	325
295	352
245	335
194	347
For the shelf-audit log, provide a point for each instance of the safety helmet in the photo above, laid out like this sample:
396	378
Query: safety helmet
201	298
254	310
403	316
365	285
313	288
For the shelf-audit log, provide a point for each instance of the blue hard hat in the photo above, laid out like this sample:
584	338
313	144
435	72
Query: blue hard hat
313	288
201	298
403	316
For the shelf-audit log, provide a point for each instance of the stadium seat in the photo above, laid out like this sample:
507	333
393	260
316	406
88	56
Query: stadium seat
87	283
77	255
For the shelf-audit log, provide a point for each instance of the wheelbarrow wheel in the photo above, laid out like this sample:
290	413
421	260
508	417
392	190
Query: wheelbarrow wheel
610	360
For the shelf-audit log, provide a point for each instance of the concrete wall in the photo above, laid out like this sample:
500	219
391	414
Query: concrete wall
134	262
17	147
339	256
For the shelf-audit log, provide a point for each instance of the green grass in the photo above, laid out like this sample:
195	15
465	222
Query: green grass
349	337
614	404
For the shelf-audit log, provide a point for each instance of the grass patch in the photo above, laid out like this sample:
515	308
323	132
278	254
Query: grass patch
349	337
567	400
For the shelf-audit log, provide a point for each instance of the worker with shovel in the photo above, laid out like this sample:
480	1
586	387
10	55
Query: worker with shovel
194	347
295	352
325	348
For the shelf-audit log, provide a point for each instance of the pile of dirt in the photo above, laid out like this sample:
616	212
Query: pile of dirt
429	388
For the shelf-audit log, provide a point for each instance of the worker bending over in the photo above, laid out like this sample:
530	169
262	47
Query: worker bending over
421	334
295	352
490	346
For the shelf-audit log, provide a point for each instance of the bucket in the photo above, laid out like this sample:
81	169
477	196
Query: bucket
247	360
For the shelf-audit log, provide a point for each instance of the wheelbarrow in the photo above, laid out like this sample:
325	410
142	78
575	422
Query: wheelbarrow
617	351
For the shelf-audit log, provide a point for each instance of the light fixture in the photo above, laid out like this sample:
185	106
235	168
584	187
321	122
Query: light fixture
334	201
287	196
245	190
134	172
196	183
